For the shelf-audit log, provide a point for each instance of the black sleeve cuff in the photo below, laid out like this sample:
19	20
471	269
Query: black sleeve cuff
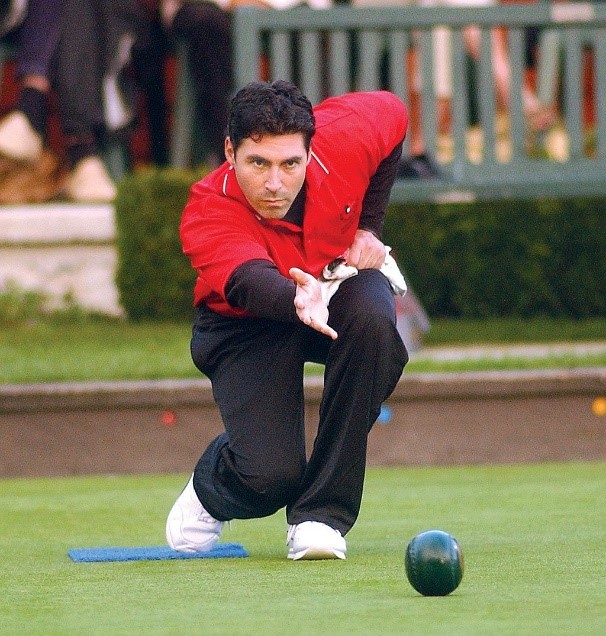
258	287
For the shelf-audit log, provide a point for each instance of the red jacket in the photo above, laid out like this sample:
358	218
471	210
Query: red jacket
220	230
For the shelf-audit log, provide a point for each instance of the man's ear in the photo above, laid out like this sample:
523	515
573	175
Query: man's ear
308	156
230	153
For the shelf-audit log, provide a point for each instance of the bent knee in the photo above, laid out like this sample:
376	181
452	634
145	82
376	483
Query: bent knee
376	326
276	487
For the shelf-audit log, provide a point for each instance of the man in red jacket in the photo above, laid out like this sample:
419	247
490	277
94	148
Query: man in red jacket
302	188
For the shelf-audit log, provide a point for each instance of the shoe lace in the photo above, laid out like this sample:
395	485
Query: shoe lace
206	517
290	533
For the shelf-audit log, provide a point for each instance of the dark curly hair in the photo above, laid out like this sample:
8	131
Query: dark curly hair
263	108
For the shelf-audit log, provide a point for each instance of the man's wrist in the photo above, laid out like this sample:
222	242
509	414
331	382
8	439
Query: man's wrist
370	231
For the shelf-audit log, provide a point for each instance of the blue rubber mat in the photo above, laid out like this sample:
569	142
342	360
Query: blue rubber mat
153	553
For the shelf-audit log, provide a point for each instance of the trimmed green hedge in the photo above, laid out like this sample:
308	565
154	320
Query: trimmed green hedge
506	258
154	278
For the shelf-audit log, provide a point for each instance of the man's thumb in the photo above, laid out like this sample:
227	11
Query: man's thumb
298	275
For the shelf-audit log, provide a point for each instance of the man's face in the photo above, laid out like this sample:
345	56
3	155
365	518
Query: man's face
270	171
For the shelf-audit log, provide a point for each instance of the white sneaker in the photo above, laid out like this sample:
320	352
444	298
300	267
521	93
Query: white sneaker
189	527
90	182
18	139
314	540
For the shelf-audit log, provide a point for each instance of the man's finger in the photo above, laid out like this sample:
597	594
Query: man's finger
323	328
298	275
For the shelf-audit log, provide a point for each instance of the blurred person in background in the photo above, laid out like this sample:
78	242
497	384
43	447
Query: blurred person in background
206	28
81	51
419	164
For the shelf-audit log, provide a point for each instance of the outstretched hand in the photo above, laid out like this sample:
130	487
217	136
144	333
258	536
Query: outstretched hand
309	305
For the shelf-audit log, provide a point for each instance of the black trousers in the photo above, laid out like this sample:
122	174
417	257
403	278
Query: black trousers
93	32
259	464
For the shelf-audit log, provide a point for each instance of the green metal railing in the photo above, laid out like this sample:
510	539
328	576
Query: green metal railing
329	52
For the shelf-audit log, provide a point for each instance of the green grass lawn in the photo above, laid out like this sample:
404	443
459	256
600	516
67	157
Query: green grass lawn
85	350
533	537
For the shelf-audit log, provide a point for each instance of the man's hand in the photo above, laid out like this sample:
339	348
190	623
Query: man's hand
366	251
310	307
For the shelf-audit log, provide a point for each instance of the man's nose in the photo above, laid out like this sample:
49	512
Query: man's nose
273	182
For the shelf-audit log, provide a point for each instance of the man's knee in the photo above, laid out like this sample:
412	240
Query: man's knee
372	335
275	486
373	324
